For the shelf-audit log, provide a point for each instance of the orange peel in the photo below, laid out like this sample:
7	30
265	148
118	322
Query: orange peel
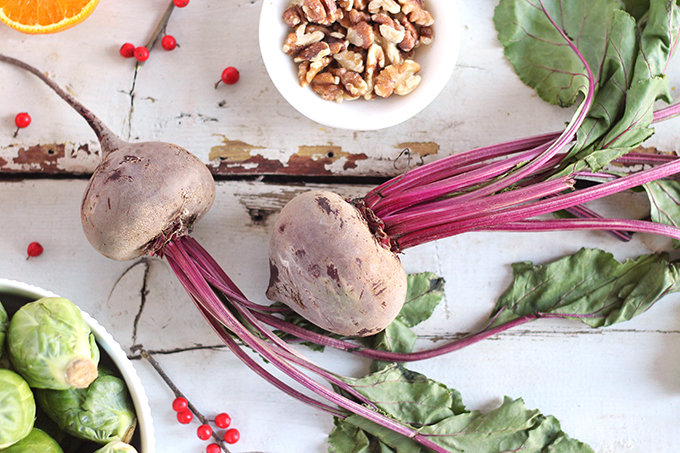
45	16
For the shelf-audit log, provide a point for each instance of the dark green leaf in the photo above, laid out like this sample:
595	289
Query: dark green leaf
510	427
664	197
636	8
396	337
628	55
590	286
439	414
634	128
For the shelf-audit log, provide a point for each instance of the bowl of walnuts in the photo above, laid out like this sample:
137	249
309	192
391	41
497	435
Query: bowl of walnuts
359	64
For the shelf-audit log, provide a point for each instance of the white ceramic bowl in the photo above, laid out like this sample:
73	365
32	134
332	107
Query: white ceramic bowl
106	342
437	63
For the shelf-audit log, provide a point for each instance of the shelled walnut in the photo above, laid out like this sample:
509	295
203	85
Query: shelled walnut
351	49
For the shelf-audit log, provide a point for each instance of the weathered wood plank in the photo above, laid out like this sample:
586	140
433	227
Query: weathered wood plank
616	389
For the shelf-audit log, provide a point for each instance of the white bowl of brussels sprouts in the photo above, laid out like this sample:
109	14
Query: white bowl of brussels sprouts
119	421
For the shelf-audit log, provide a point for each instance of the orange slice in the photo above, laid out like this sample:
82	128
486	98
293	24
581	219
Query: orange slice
45	16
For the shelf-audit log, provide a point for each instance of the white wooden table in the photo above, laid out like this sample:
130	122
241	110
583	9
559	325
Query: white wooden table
617	389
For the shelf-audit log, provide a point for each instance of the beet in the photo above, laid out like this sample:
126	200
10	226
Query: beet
141	195
328	266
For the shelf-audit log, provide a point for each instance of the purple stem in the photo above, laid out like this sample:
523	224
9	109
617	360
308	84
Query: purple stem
220	330
639	226
227	287
440	169
440	213
259	370
557	203
584	213
204	296
645	159
667	112
394	203
389	356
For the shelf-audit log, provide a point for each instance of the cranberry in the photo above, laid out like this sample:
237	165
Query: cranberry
222	420
22	120
141	53
232	436
34	249
169	42
127	50
230	75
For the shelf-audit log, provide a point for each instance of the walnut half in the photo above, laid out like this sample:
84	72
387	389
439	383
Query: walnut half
400	79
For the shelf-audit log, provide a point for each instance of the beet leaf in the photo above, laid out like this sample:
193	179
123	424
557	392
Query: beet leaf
628	69
590	285
438	413
664	196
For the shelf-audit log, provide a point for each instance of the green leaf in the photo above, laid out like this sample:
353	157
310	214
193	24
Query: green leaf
664	197
425	291
408	396
658	39
590	286
396	337
613	78
510	427
636	8
348	438
540	54
628	55
438	412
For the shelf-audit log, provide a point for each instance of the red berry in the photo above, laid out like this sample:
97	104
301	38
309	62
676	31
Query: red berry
232	436
222	420
230	75
213	448
141	53
169	42
34	249
127	50
22	120
180	3
204	432
179	404
185	416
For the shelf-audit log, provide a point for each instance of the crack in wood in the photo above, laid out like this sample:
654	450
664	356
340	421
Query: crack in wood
143	292
139	347
547	333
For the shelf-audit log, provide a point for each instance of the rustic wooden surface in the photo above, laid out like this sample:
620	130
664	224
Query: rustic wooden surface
617	389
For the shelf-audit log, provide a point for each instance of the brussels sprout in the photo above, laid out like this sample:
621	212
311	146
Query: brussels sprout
51	346
103	412
4	323
37	441
117	447
17	408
